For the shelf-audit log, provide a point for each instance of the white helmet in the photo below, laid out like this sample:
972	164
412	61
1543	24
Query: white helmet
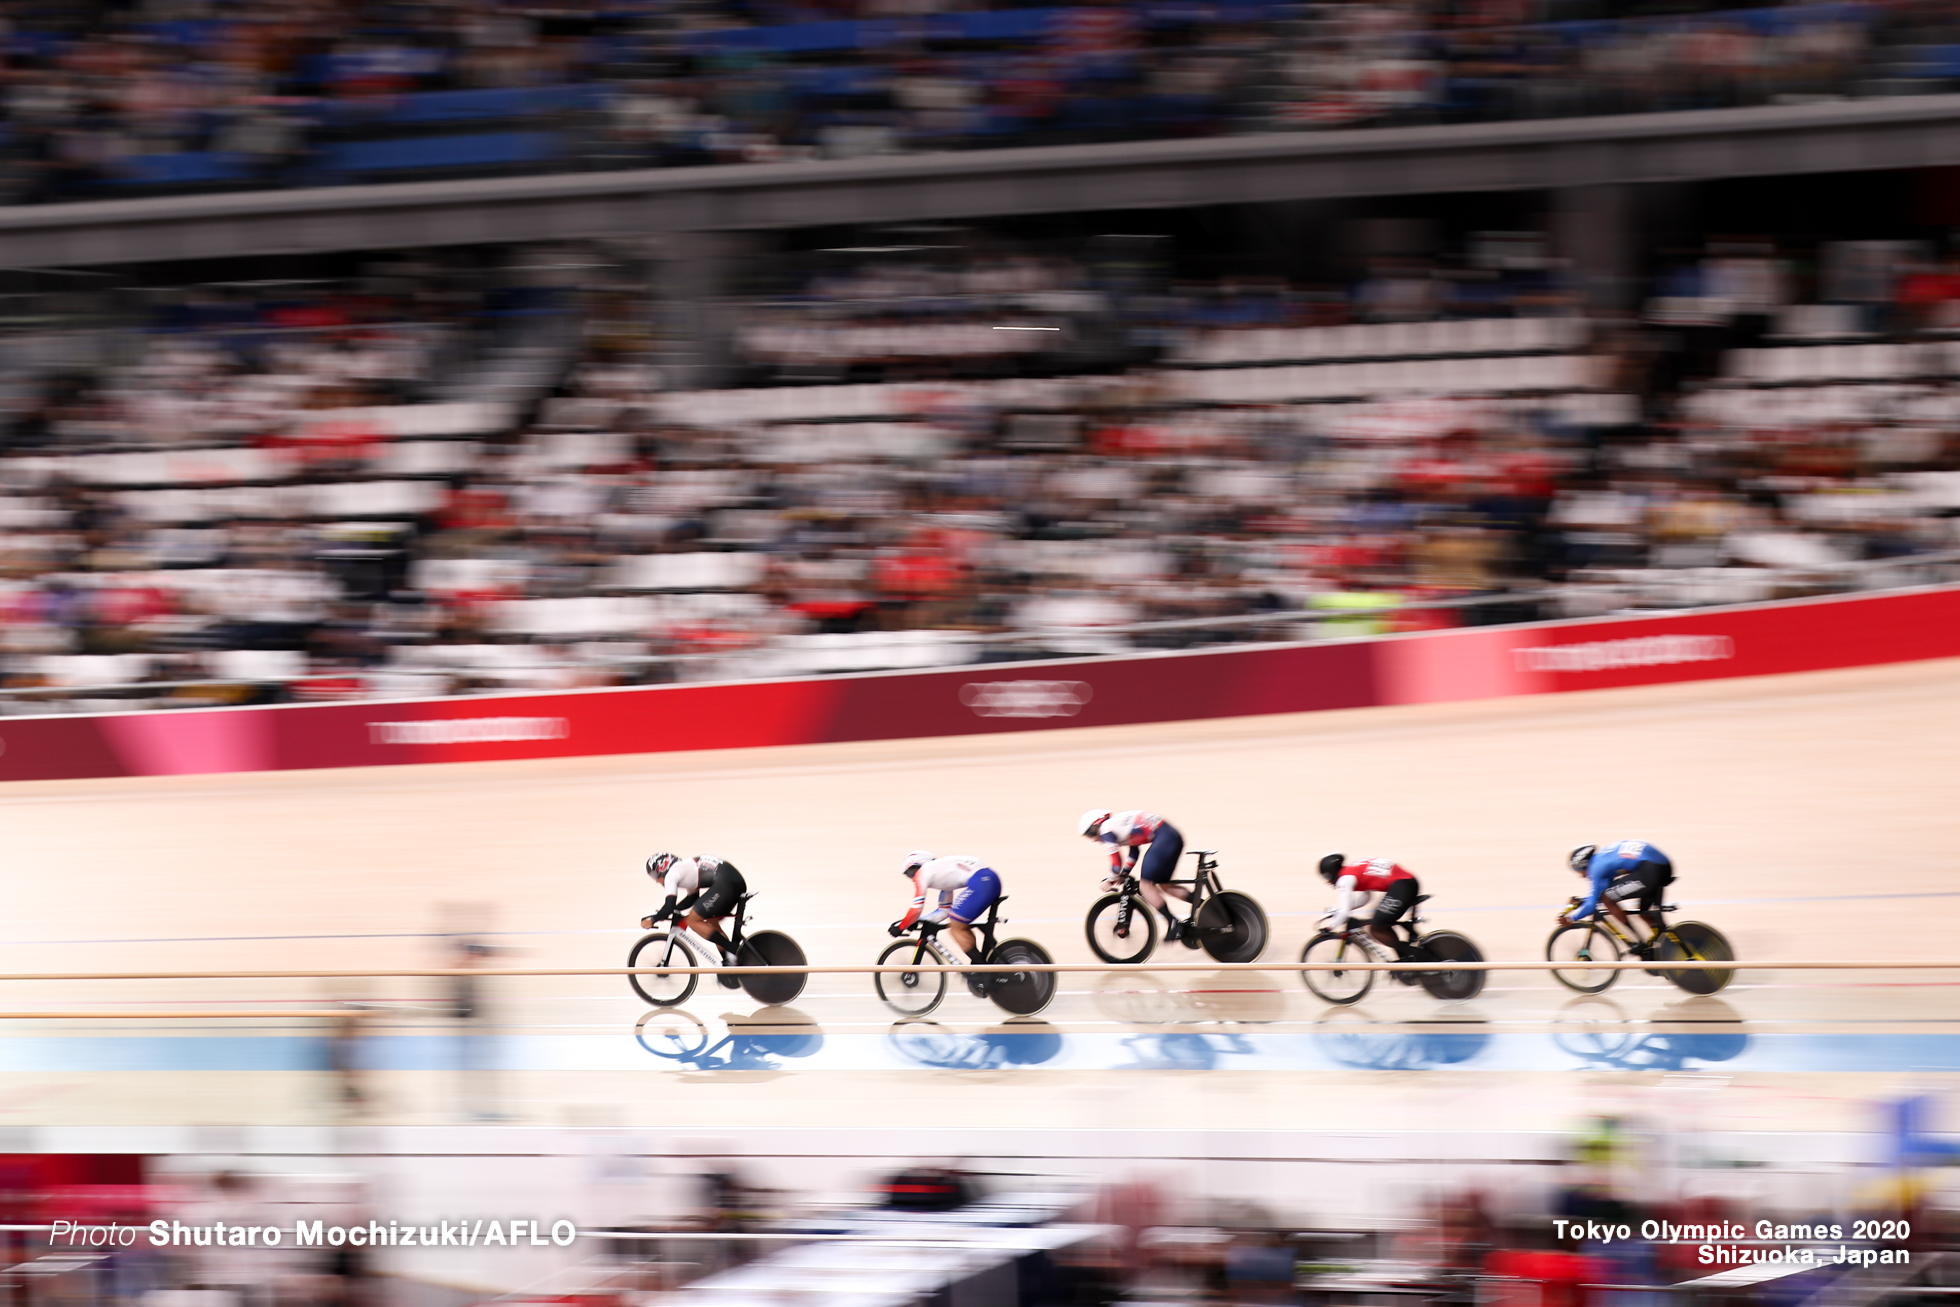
916	859
1091	823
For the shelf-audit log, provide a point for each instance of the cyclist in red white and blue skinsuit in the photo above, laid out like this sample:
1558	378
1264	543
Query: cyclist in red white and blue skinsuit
1144	843
966	887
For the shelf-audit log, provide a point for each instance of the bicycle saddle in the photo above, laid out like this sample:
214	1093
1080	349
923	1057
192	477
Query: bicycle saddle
1668	907
1422	898
746	897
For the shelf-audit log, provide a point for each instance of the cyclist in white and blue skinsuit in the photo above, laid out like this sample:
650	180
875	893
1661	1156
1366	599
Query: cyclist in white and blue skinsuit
967	887
1619	871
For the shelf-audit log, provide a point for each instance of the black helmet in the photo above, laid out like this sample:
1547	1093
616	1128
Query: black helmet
1331	865
1580	859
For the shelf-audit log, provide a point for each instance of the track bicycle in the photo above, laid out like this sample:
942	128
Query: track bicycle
680	947
1603	939
1227	924
1355	944
915	993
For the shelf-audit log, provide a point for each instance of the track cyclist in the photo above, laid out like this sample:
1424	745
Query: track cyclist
701	893
1356	881
1617	872
1127	834
966	887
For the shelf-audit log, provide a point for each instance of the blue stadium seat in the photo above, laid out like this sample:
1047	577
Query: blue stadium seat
189	169
483	150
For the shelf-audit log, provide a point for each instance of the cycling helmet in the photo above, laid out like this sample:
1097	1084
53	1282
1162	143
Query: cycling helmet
916	859
1331	865
657	865
1091	823
1580	859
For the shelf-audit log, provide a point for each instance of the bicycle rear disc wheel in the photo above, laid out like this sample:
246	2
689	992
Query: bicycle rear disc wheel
1023	993
1698	943
1341	987
1582	942
1452	986
772	948
909	993
1231	927
1139	930
669	989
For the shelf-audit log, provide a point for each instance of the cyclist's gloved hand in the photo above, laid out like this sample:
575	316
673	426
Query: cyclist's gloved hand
896	928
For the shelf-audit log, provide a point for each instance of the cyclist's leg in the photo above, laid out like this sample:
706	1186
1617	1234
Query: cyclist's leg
1155	871
1398	898
1658	875
1159	865
716	904
973	898
1633	885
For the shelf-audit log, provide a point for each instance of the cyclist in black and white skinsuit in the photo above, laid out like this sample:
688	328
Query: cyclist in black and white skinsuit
701	893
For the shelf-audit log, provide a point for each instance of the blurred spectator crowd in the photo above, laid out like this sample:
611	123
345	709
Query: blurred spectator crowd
182	95
429	480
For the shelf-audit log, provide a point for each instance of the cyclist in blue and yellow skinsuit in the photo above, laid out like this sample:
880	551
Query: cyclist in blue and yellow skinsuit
1617	872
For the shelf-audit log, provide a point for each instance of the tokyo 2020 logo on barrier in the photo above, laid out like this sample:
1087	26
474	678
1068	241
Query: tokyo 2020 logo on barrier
470	730
1025	698
1641	651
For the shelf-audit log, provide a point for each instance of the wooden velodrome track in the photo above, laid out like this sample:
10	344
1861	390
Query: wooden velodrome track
1791	805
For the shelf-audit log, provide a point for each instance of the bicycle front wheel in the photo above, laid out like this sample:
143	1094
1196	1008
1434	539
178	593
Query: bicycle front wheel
910	993
1023	993
666	989
1232	927
1581	942
1122	930
1341	987
1692	941
772	948
1452	986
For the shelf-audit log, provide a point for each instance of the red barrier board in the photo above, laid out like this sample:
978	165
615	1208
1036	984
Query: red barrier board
1546	657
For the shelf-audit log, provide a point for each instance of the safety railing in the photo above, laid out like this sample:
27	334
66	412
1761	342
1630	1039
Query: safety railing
873	968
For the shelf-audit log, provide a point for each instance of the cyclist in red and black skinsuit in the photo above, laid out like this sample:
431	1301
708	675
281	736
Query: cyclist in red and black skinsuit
1356	881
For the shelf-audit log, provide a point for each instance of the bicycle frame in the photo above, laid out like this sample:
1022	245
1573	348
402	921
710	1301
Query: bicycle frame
983	928
1203	885
1357	928
1206	882
1603	920
738	918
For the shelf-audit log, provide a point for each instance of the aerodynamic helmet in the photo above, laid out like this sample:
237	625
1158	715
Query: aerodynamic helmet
657	865
916	859
1331	865
1580	859
1091	823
